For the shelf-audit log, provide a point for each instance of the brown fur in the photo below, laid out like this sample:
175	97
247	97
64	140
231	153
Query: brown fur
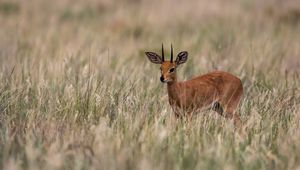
219	91
201	93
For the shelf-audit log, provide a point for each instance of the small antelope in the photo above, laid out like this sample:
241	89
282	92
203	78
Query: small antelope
219	91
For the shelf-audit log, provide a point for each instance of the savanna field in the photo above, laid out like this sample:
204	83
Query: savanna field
78	92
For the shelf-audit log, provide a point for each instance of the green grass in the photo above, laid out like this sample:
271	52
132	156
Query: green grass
77	91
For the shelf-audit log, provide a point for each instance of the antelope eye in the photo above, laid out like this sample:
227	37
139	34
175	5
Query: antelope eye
171	70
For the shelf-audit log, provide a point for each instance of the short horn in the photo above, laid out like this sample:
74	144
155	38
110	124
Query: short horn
171	53
162	52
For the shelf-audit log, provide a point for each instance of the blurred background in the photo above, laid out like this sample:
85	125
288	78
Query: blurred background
77	91
230	35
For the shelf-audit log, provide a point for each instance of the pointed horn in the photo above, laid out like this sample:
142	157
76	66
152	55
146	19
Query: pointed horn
171	53
162	52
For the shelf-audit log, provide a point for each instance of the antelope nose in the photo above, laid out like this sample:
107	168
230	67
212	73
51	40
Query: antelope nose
162	79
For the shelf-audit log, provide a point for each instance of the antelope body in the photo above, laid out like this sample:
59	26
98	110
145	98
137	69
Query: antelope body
219	91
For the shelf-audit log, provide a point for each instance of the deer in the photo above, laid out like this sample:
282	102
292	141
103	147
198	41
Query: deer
218	90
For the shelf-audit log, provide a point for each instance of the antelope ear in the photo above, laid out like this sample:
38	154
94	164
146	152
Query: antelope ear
154	58
181	57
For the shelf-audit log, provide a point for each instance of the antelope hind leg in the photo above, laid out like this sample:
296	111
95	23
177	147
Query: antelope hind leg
216	106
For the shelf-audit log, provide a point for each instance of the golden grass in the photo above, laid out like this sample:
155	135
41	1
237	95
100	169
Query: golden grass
77	91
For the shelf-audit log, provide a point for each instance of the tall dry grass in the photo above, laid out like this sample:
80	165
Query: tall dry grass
77	91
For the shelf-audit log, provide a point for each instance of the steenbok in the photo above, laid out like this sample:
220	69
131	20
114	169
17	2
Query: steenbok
219	91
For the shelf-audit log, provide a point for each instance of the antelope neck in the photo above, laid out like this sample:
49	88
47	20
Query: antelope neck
172	88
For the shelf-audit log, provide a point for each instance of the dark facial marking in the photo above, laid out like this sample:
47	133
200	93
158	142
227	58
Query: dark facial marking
162	79
172	70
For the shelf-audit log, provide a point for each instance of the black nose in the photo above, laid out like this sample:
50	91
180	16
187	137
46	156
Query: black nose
162	79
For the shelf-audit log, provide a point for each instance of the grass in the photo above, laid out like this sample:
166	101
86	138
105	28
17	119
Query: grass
77	91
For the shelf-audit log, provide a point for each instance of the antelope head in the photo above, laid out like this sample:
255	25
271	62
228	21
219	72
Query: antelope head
168	68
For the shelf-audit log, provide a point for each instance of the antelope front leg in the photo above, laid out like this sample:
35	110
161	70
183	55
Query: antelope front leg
176	111
182	113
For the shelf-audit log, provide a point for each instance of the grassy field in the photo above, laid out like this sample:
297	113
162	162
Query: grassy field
77	91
